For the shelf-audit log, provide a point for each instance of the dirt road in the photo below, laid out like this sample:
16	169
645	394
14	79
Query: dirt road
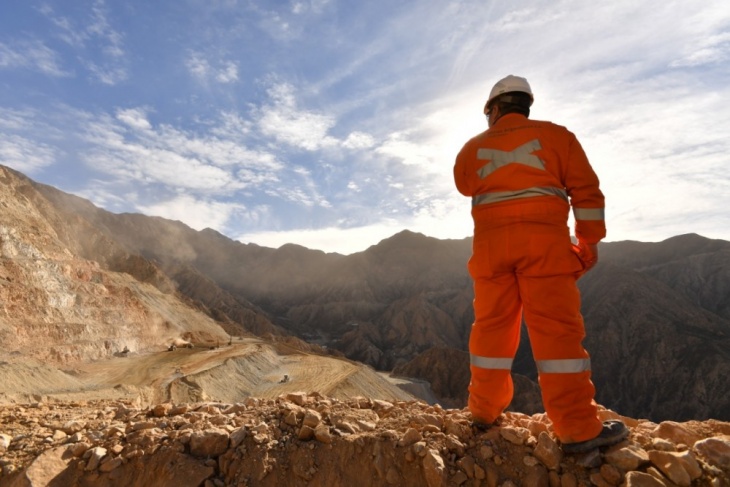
247	367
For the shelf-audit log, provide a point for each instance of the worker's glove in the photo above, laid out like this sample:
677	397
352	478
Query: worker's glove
587	253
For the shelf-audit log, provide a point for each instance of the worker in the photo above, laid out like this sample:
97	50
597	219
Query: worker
523	176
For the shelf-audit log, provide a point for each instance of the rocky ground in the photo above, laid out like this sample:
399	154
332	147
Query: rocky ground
299	439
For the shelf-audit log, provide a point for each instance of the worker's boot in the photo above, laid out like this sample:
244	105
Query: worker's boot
613	432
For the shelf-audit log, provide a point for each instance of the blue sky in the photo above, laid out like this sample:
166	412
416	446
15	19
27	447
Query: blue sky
334	124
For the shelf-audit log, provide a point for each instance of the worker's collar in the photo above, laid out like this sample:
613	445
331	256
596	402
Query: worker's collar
508	117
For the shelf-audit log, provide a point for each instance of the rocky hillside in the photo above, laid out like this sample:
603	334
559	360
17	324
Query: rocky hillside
310	440
59	308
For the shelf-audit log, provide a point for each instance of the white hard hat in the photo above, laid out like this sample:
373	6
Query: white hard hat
508	84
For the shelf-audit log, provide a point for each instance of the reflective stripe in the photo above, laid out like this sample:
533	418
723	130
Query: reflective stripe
589	213
491	362
566	366
521	155
497	196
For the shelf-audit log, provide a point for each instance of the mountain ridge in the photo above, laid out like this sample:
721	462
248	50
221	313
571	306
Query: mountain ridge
396	300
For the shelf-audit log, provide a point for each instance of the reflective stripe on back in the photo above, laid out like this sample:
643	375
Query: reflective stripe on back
564	366
491	362
521	155
497	196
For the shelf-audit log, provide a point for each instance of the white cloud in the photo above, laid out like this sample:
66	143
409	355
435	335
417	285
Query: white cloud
201	69
31	55
710	50
196	213
359	140
197	66
411	151
331	239
135	118
228	73
25	155
283	121
99	45
136	150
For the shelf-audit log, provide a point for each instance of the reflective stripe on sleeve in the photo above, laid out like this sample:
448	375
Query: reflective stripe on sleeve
497	196
491	362
565	366
589	213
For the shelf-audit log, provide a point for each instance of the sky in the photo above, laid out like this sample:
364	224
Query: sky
334	124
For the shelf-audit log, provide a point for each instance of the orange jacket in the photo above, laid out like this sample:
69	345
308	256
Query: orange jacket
519	159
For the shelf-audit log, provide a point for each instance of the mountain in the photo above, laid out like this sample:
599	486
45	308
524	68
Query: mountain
656	313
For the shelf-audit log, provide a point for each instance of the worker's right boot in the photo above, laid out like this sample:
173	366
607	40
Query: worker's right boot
613	432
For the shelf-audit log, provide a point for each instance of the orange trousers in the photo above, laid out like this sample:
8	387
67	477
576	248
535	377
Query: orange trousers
522	264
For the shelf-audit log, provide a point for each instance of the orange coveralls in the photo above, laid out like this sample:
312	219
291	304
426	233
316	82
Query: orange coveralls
521	175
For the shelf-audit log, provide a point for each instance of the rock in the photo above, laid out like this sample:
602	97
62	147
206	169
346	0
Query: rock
517	436
298	398
59	435
72	427
410	437
237	437
680	468
111	464
322	434
467	464
627	458
209	443
161	410
568	480
143	425
94	456
641	479
420	448
592	459
537	476
548	451
434	469
78	449
312	418
291	418
459	478
486	452
659	476
715	450
392	477
676	433
458	429
662	445
5	441
611	474
47	466
305	433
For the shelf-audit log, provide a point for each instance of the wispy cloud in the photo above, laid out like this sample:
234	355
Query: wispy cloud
201	69
285	122
33	55
100	46
196	213
128	146
25	155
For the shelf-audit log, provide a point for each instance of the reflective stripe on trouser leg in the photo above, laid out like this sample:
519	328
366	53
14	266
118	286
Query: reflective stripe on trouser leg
556	330
493	343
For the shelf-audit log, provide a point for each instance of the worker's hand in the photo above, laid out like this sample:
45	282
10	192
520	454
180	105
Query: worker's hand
588	253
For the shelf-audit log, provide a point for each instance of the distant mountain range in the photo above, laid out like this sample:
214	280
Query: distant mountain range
657	314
